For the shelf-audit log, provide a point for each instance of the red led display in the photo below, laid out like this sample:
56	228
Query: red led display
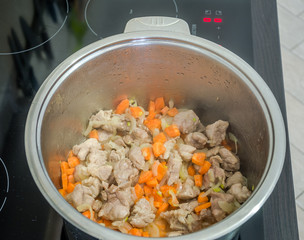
217	20
206	19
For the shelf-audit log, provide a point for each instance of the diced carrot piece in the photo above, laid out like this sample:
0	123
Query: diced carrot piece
159	104
165	190
152	123
162	208
158	149
164	110
64	166
226	145
94	134
172	112
136	112
73	161
122	106
71	154
87	214
205	168
152	183
136	232
146	152
145	176
157	204
161	171
70	171
138	191
145	234
107	223
147	190
70	187
201	198
71	179
191	170
160	138
202	206
62	192
64	179
198	180
173	202
172	131
157	195
151	107
199	158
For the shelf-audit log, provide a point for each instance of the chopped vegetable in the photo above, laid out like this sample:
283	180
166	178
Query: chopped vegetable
159	104
93	134
161	171
122	106
164	110
145	234
64	166
146	152
64	179
160	138
205	168
73	161
198	180
70	187
164	206
71	179
151	107
136	112
153	124
201	198
136	232
157	204
70	171
191	170
147	190
87	214
138	191
165	190
152	183
202	206
199	158
158	149
62	192
172	112
226	145
172	131
145	176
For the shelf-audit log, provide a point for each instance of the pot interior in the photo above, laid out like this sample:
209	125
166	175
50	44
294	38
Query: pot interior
145	69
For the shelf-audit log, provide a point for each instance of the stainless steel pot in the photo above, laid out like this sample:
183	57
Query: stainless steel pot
156	57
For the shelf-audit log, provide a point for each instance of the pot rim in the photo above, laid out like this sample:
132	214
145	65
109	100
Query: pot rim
275	124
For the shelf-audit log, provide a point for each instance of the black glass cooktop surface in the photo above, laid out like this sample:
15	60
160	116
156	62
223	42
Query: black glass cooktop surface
37	35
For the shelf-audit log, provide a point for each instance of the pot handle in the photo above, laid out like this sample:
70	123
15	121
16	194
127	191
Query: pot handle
169	24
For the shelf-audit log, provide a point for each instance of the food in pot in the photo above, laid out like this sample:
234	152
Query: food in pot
154	173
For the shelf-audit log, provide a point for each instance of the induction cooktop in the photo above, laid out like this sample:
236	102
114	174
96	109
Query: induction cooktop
37	35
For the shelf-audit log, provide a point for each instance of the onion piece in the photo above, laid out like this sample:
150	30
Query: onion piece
154	168
234	139
171	103
153	230
85	207
226	207
183	172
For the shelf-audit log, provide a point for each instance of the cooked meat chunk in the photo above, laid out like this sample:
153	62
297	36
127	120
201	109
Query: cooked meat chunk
189	206
187	121
188	191
103	135
169	145
136	157
119	141
196	139
142	214
93	184
83	149
102	172
81	172
216	132
182	220
125	172
174	166
213	151
230	161
240	192
97	205
80	196
98	157
207	217
141	136
118	205
186	151
215	174
237	177
217	212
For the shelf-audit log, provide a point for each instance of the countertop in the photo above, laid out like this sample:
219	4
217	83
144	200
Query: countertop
279	212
